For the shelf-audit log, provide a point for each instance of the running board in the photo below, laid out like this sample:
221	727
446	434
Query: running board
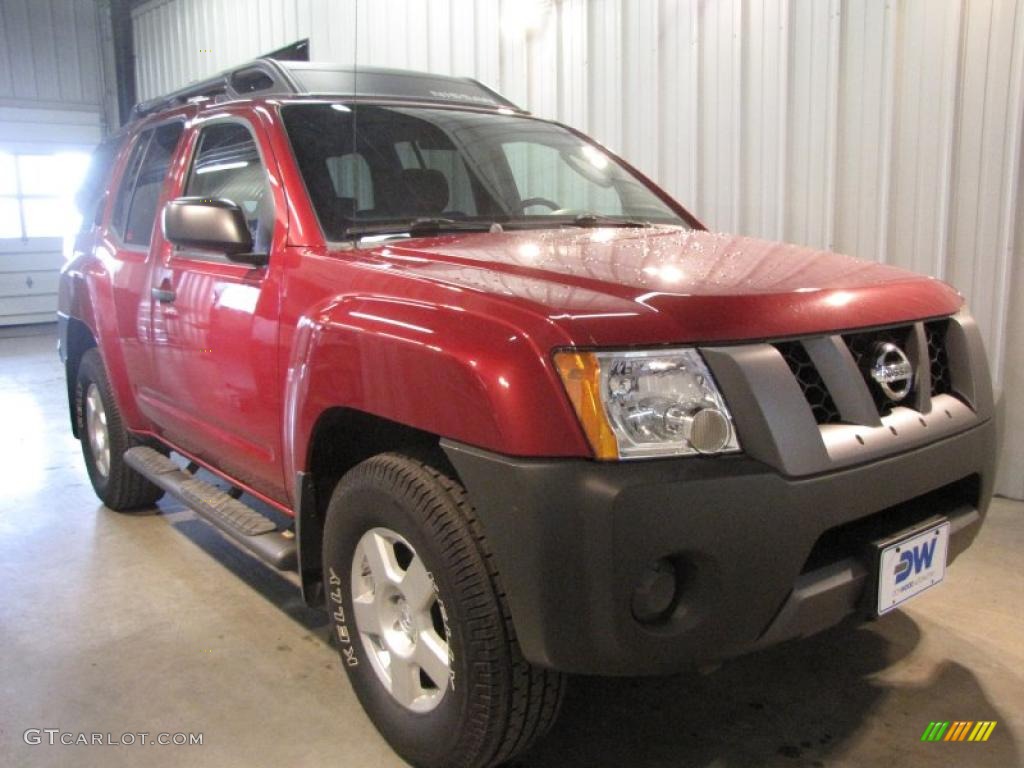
238	521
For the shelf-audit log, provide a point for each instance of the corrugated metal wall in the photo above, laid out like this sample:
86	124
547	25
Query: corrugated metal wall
50	54
887	129
52	99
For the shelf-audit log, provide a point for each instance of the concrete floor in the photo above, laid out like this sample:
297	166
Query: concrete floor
151	622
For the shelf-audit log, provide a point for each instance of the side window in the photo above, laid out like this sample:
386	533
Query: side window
138	228
124	192
228	166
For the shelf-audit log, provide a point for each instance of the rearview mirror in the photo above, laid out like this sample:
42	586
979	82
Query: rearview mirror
209	224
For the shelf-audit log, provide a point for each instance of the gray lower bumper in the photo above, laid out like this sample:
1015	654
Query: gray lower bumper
762	556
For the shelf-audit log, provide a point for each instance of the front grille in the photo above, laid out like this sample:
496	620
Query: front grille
862	347
935	332
817	394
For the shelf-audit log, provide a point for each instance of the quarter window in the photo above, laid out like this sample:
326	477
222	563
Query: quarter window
124	192
91	193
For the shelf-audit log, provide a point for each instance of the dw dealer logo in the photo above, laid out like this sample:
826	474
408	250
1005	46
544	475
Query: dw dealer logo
915	560
959	730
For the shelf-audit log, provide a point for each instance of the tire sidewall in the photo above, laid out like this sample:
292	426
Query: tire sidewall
421	738
90	371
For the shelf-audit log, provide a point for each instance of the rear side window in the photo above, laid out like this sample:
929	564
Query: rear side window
149	183
228	166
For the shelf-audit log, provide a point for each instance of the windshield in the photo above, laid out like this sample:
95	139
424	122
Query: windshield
414	169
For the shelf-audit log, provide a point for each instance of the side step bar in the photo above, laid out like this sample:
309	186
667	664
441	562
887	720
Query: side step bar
240	522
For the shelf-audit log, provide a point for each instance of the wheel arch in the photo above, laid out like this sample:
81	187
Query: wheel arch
341	439
78	340
368	374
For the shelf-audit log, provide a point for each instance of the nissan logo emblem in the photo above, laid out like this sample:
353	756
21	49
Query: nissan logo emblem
892	371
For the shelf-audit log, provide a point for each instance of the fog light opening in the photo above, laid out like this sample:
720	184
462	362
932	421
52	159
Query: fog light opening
655	593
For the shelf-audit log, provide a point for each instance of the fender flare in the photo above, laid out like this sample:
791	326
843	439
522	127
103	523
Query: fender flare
447	371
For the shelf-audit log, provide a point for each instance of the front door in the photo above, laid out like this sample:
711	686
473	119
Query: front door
217	391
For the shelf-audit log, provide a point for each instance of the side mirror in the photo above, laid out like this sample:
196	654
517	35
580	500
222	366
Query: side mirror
210	224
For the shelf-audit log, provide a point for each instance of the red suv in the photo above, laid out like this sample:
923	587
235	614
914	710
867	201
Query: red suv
504	405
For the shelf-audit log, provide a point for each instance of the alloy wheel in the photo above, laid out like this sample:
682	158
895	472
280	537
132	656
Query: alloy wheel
400	620
96	429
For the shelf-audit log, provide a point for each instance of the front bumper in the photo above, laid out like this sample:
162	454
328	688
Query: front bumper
763	556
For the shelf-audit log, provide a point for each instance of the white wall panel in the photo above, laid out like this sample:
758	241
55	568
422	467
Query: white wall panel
720	96
50	54
864	150
48	130
679	64
889	129
28	280
763	156
52	99
809	190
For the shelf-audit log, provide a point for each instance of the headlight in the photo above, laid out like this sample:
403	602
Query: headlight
648	403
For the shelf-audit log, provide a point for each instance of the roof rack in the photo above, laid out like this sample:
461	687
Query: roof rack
264	76
270	77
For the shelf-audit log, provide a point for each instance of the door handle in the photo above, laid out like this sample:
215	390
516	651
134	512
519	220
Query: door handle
163	295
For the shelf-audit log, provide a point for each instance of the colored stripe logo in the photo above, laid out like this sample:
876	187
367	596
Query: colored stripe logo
959	730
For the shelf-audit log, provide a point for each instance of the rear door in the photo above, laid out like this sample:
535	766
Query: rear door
217	390
126	242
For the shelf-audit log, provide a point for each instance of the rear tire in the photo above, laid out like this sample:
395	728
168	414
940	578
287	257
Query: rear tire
105	439
418	520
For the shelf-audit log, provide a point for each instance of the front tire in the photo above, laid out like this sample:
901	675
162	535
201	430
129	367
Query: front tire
421	620
105	439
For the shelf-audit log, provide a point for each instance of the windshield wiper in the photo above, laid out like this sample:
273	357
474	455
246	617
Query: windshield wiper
420	226
597	220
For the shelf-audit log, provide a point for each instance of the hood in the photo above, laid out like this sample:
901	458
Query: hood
668	285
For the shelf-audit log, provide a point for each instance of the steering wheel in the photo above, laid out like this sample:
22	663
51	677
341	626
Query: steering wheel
532	201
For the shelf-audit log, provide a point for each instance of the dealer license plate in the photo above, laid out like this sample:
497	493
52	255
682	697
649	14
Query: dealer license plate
911	566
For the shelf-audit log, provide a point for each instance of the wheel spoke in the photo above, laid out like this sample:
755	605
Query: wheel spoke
380	554
432	657
367	615
405	682
417	586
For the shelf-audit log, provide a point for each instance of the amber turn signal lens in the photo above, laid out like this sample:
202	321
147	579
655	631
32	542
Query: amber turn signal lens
581	375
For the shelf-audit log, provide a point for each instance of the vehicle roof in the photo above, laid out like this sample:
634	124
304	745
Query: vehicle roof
272	78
